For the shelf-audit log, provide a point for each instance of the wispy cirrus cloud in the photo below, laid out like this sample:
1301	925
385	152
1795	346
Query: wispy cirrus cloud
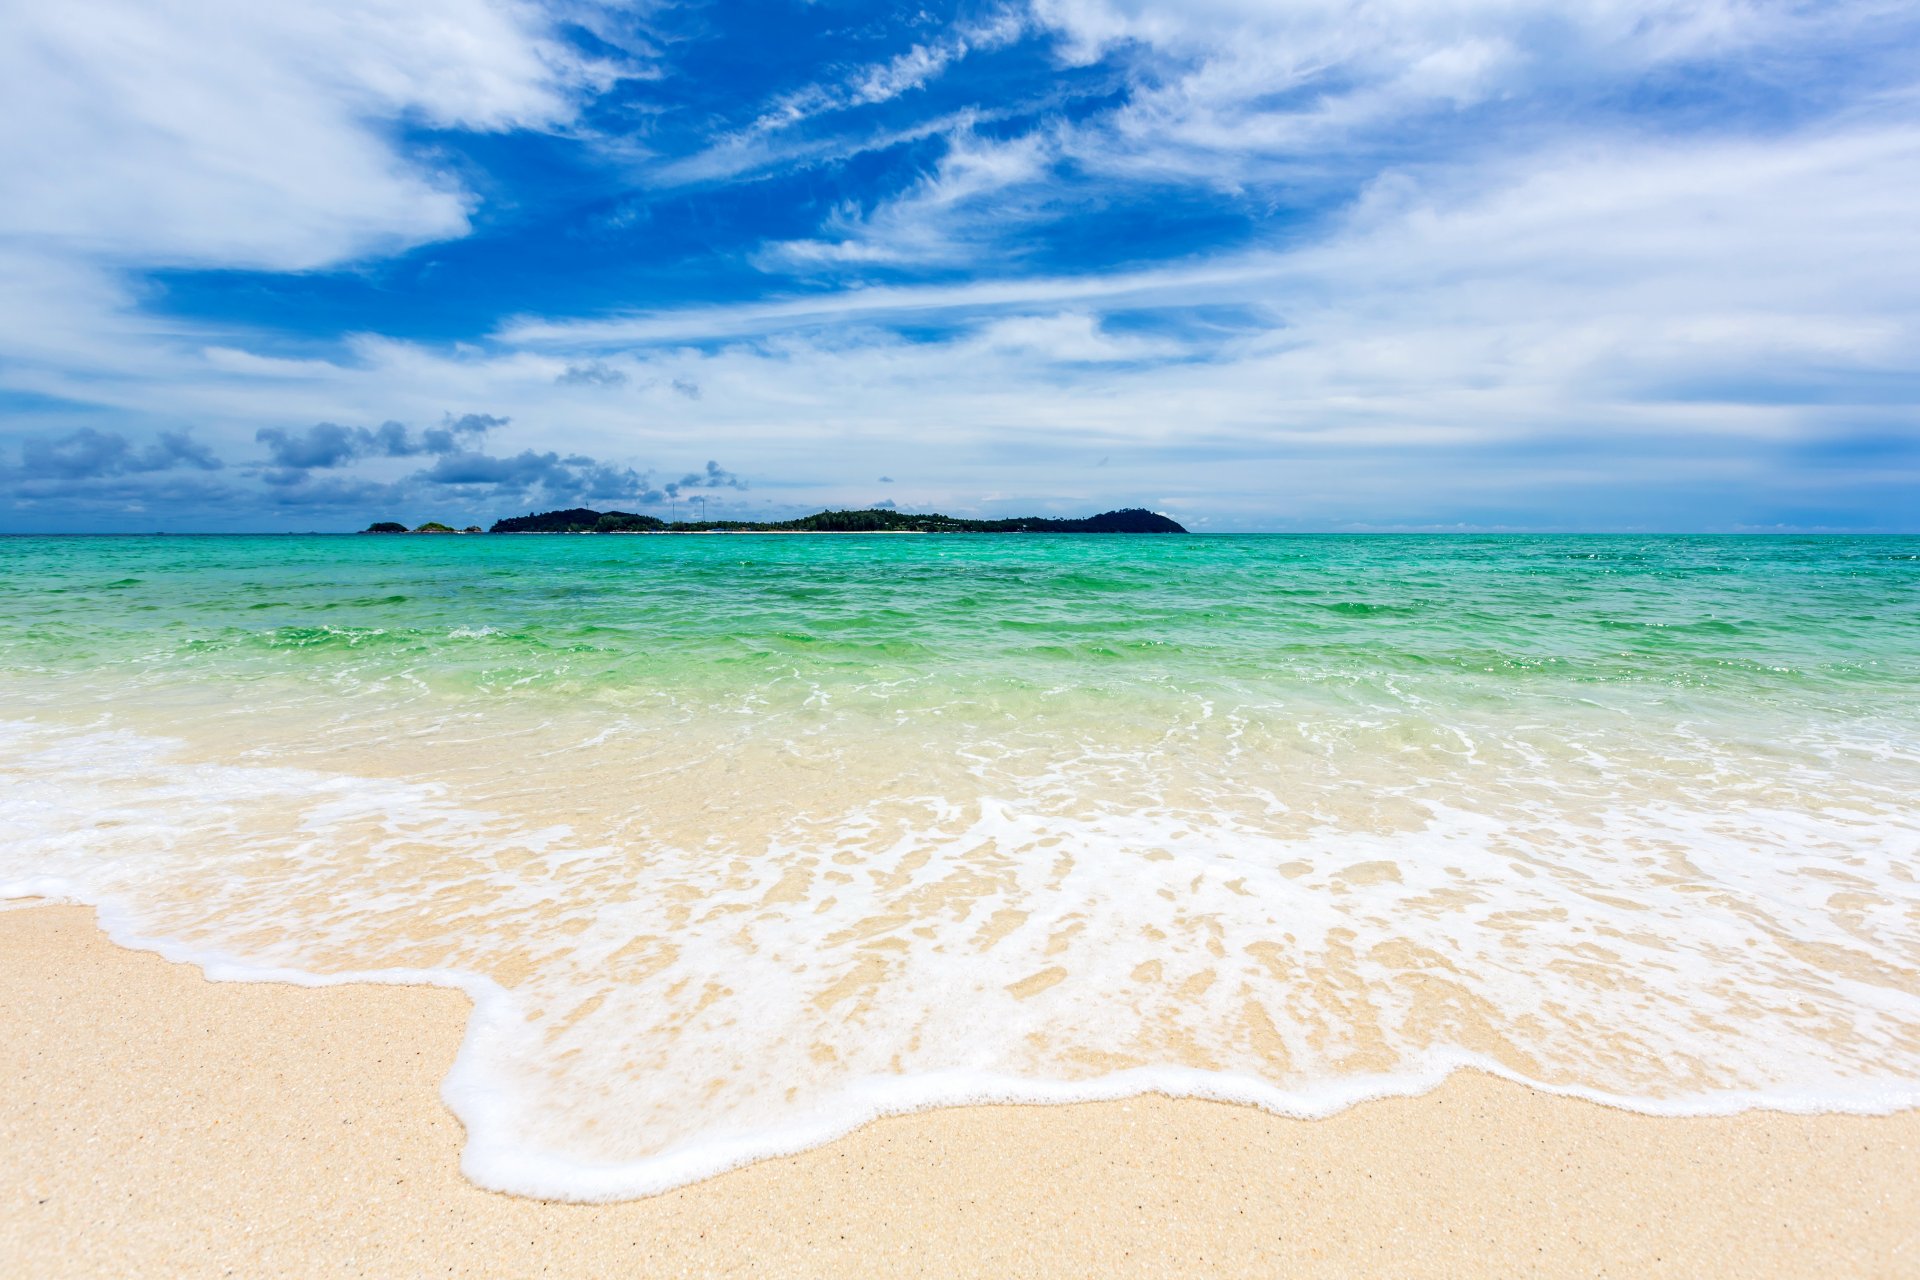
1297	104
951	214
883	81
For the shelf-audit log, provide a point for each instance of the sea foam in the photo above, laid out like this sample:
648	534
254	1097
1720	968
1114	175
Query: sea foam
736	846
647	1014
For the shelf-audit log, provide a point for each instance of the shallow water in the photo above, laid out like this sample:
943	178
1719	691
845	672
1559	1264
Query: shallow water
741	840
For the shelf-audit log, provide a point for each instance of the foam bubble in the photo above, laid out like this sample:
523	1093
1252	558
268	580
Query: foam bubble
664	989
737	843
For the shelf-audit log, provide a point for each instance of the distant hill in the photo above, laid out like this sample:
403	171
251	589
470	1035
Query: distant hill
873	520
579	520
431	526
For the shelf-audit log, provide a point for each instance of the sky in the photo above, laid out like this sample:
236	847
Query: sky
1635	265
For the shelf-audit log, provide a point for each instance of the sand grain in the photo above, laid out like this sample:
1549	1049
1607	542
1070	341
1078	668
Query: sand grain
156	1123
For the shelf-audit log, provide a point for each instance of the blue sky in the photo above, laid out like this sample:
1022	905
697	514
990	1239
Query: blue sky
1410	264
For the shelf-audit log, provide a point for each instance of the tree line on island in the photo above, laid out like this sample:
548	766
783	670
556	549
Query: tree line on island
871	520
431	526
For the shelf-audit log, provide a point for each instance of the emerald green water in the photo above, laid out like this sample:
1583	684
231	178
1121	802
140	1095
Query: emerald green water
742	839
608	612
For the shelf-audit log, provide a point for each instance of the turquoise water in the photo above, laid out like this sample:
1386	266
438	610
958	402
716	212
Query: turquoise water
739	840
605	611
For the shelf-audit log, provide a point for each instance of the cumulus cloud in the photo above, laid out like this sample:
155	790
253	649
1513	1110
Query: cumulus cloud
454	433
559	480
226	134
338	493
714	477
479	483
594	373
326	445
89	454
62	477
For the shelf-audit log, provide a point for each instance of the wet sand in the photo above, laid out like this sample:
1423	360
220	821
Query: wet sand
156	1123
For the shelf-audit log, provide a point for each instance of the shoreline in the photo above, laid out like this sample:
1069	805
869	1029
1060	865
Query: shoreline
165	1123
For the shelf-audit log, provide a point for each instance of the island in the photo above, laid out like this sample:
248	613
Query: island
870	520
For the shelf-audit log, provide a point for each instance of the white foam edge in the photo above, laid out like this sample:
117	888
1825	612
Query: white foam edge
491	1161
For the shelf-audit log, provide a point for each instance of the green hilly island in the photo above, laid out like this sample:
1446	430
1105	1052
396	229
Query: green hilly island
869	520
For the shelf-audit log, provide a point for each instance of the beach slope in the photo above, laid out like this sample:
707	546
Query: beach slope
157	1123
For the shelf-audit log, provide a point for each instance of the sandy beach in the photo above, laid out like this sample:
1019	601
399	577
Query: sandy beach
159	1123
1046	638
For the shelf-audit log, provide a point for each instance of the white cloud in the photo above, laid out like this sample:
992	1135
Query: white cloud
1235	93
948	214
240	135
233	133
1282	99
1683	311
1069	337
883	81
1217	77
1611	299
775	138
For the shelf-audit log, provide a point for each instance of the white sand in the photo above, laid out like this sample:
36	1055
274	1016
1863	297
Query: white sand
158	1124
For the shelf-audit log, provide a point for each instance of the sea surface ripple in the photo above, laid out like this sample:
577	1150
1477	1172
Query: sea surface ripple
738	841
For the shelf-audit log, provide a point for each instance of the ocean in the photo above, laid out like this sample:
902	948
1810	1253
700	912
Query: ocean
739	841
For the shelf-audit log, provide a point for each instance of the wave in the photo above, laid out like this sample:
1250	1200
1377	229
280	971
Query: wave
664	990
